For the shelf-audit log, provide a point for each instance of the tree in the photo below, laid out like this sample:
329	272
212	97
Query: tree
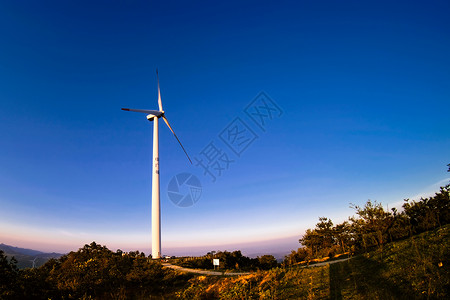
8	277
311	240
320	240
343	235
267	262
300	255
373	224
401	227
429	213
235	260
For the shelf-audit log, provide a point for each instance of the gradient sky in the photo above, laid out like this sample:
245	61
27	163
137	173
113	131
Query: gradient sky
363	87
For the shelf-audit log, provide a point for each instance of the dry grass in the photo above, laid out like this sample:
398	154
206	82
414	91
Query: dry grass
416	268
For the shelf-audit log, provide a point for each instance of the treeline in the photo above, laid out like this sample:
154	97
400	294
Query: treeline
413	268
373	227
93	272
231	261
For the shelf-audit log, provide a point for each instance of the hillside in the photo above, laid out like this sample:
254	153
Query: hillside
415	268
396	255
26	257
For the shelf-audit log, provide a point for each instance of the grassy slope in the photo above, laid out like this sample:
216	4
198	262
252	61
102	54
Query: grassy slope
416	268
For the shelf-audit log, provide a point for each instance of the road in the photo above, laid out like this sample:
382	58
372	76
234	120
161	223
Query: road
328	262
204	272
217	273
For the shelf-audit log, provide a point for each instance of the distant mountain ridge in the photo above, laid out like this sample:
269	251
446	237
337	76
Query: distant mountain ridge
17	250
279	256
27	258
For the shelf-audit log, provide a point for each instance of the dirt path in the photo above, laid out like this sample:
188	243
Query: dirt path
204	272
217	273
328	262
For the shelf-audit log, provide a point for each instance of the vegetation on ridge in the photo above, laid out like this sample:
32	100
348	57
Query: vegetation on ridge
373	228
414	268
398	255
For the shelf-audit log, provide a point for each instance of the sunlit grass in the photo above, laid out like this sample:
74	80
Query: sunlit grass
415	268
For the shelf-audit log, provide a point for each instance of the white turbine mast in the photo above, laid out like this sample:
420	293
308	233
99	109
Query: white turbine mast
154	115
34	262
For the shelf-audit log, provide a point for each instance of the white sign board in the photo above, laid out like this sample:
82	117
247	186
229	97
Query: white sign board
215	261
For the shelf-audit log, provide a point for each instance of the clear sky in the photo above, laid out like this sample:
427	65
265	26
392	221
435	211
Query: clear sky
361	89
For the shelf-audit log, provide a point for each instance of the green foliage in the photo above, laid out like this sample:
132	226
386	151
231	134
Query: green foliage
420	264
267	262
373	227
429	213
393	266
8	277
199	263
414	268
276	283
235	260
372	224
295	257
93	272
231	261
321	239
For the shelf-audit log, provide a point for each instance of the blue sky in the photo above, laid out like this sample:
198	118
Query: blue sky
363	90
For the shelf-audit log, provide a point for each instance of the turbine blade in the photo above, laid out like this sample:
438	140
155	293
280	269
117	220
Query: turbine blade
170	127
146	111
159	93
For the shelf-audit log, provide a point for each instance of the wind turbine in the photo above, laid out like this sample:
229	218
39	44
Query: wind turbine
34	262
154	115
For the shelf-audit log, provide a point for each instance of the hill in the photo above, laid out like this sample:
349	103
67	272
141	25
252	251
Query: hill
414	268
27	257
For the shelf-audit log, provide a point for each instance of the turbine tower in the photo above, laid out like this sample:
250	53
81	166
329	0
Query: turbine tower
154	115
34	262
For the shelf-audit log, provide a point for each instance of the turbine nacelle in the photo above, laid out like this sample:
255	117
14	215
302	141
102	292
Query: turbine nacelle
150	117
152	114
156	113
